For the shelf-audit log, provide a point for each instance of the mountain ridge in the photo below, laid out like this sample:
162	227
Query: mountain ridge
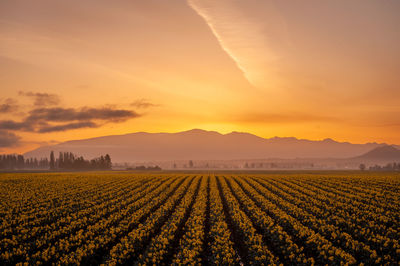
198	144
382	153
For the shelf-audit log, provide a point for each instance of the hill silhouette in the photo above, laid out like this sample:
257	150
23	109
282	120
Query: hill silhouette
197	144
386	153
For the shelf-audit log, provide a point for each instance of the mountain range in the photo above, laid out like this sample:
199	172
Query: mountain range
197	144
382	154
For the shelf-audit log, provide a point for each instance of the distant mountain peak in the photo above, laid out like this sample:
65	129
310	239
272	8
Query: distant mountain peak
237	133
199	144
198	131
385	148
384	152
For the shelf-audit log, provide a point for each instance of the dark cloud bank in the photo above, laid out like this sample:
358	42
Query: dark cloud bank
8	139
47	116
62	119
8	105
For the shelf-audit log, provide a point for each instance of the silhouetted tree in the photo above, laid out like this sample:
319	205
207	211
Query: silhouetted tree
387	167
144	168
20	162
52	161
44	163
11	161
107	162
191	164
362	167
60	163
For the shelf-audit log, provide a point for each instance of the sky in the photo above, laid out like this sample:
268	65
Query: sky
290	68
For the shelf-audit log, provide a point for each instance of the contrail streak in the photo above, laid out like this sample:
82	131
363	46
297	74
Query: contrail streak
210	22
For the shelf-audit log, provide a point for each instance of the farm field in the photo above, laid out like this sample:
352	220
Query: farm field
228	218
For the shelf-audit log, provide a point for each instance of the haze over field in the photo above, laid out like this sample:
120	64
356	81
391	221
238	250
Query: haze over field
310	70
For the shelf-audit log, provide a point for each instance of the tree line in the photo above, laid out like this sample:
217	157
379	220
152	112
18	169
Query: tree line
64	161
387	167
14	161
144	168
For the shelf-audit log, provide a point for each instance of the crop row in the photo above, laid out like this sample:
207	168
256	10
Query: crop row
164	219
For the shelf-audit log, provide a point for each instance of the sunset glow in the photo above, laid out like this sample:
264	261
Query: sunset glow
314	70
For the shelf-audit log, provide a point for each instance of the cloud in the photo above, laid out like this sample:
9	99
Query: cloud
69	126
8	105
42	99
58	114
8	139
44	120
16	126
143	104
253	33
41	143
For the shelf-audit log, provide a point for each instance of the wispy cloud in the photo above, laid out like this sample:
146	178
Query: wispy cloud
59	114
47	116
42	99
45	120
8	105
8	139
143	104
244	31
68	126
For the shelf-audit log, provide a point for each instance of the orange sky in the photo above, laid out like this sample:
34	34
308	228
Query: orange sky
315	69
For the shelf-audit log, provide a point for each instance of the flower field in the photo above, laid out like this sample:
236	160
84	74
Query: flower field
117	218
